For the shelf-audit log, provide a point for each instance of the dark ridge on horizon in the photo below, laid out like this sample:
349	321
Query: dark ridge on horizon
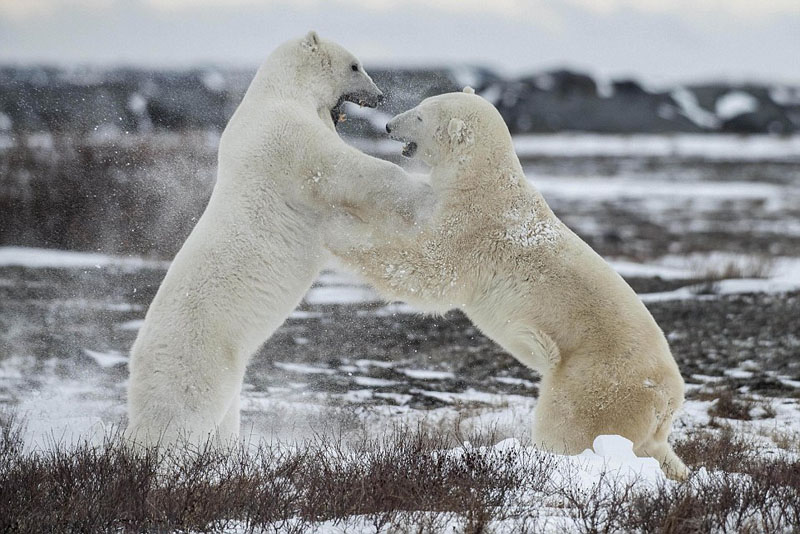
85	99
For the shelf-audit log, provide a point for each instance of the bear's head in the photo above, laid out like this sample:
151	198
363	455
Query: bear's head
331	74
449	128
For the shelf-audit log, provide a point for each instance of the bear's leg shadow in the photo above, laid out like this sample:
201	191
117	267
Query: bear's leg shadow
228	430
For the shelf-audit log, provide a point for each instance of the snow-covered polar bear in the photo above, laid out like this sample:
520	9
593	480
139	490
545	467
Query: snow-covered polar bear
494	249
284	176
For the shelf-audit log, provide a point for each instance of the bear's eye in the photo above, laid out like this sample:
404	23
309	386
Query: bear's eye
419	118
354	67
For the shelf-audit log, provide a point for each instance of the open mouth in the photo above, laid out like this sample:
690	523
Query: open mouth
337	113
409	149
365	100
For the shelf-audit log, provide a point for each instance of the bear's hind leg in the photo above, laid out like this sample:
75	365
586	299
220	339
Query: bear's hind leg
555	429
670	463
659	448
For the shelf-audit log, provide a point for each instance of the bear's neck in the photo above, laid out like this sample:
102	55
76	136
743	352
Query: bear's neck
485	171
277	80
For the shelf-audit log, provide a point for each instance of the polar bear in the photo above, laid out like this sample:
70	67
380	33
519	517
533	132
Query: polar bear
494	249
283	175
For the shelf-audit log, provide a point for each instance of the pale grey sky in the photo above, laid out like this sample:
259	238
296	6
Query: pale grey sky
657	40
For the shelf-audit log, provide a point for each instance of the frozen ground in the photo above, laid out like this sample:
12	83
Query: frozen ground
345	356
711	243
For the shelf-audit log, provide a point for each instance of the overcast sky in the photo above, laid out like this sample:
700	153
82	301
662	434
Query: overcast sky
658	40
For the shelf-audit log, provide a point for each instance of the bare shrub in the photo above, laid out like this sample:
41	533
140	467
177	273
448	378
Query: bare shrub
271	487
765	500
724	450
786	439
729	406
602	509
11	430
409	480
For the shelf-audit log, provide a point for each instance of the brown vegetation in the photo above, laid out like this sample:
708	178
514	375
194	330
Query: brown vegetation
406	482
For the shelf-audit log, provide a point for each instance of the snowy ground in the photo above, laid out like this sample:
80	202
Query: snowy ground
345	356
711	243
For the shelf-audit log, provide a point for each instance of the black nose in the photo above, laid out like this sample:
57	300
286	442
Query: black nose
388	128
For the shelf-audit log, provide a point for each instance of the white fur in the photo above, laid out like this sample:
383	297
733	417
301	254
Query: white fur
284	176
495	250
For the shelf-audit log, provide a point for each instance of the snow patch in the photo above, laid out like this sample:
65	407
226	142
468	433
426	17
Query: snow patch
375	363
137	103
16	366
40	141
304	369
5	122
692	110
706	146
368	381
514	381
605	86
629	269
107	359
784	276
735	103
545	82
785	95
37	258
612	459
135	324
426	374
599	189
492	93
736	286
300	314
213	81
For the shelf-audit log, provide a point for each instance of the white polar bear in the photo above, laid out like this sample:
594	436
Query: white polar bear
494	249
284	175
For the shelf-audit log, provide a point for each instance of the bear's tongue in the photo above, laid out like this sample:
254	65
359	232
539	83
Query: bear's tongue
409	149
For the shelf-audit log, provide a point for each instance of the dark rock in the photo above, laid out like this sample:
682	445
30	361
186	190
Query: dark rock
628	87
770	120
570	103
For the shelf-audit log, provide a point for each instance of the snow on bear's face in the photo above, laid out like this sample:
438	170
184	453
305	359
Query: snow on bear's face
337	75
446	128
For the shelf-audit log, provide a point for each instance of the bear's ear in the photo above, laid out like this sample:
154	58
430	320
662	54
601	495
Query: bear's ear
311	40
469	90
457	130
